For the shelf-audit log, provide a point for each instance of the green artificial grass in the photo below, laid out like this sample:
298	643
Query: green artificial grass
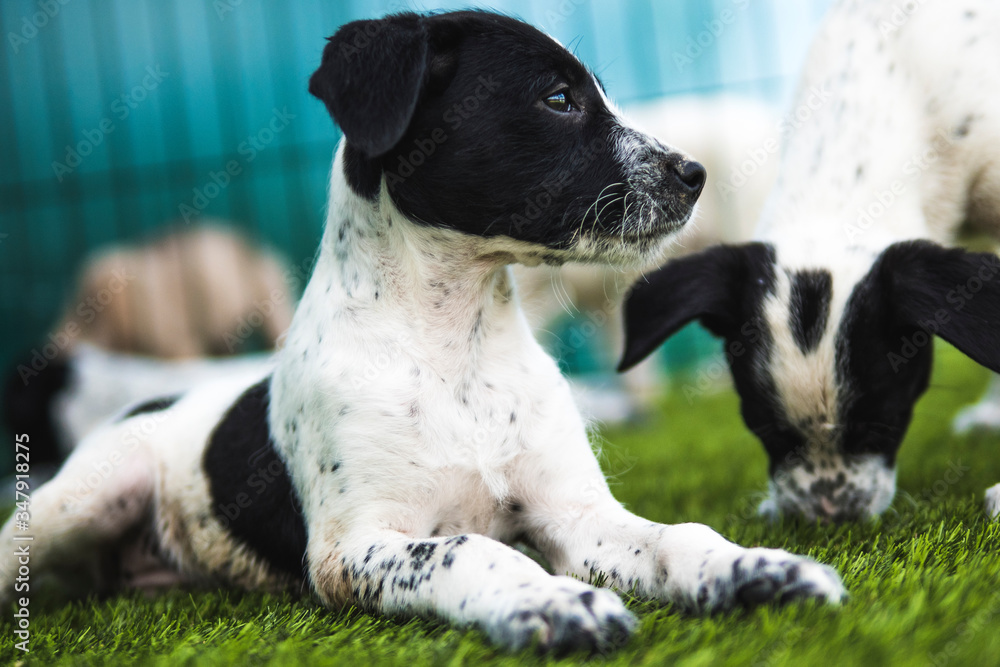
924	581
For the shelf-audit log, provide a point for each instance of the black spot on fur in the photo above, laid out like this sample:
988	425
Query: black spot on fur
963	129
420	552
809	307
153	405
239	461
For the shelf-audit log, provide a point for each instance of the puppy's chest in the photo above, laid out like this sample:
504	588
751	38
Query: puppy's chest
430	431
477	419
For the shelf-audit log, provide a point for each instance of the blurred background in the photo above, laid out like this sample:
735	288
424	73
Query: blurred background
123	120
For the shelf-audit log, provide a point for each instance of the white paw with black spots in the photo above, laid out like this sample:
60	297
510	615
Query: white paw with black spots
562	617
993	501
760	576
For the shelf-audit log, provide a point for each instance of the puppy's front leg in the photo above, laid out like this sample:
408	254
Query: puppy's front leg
468	580
689	564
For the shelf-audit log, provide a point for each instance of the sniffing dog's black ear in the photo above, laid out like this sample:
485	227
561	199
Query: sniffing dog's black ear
371	77
950	292
709	286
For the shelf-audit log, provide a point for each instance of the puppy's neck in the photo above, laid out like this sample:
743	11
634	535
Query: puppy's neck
444	286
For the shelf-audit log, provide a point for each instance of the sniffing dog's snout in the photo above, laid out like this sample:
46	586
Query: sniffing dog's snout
684	177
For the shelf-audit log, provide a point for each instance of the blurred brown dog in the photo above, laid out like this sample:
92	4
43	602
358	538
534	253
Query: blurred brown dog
140	323
197	292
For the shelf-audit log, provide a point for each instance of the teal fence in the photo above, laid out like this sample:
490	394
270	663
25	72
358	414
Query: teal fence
117	117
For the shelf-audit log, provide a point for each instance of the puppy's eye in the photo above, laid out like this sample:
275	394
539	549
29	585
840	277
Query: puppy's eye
560	101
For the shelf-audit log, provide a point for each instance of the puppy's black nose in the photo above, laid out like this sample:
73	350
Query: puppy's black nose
690	176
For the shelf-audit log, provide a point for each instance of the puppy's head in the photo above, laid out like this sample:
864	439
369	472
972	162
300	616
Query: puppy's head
828	362
479	123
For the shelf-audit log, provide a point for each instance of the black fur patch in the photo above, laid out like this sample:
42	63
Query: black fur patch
722	287
251	491
915	291
152	405
28	404
810	307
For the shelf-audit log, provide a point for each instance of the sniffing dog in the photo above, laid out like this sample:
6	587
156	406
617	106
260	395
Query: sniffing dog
829	317
413	427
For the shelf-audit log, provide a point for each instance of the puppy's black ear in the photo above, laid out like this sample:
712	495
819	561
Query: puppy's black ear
711	286
949	292
371	78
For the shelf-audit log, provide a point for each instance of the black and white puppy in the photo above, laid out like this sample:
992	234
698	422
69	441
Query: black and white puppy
413	427
829	318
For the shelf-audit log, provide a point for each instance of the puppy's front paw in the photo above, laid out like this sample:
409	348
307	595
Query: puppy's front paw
758	576
993	501
565	616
